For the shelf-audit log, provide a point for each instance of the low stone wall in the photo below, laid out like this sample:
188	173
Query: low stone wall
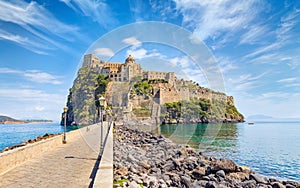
17	156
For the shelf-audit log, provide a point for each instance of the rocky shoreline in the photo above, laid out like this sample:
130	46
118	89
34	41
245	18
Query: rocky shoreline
30	141
143	159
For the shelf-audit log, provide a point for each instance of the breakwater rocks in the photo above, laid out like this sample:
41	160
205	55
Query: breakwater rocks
142	159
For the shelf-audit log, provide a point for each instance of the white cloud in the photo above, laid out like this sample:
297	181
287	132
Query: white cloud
142	53
69	4
287	80
104	52
31	103
263	49
274	95
194	39
292	82
245	82
226	64
254	34
39	108
24	42
10	71
210	18
98	10
41	77
245	86
288	22
30	95
197	76
32	14
182	62
38	22
281	36
34	75
293	85
137	10
247	77
132	41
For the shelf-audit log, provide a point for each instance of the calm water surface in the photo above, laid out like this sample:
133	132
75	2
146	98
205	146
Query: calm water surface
12	134
271	149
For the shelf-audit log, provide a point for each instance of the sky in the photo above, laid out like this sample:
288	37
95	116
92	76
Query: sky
255	43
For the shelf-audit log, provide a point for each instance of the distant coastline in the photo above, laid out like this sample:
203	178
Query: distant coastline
9	120
270	119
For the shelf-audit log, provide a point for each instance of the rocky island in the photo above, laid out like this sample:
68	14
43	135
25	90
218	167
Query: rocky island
148	97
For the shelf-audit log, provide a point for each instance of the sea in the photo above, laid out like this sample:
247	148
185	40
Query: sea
13	134
271	149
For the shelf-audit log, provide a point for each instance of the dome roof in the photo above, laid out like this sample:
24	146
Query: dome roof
130	58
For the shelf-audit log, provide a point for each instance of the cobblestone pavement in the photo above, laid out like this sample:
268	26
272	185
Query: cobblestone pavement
69	165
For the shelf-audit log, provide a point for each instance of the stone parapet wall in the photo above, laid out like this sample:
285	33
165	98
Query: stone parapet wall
17	156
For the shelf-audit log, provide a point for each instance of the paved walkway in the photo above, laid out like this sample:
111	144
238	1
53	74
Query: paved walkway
70	165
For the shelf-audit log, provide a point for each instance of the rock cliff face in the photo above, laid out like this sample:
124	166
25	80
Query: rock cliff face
146	101
82	99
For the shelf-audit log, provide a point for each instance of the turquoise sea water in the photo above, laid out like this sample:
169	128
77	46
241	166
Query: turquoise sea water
12	134
271	149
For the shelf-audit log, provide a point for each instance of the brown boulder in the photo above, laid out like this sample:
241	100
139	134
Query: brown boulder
241	176
224	164
122	171
198	173
145	165
245	169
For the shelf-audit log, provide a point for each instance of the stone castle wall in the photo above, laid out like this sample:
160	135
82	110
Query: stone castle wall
184	94
168	95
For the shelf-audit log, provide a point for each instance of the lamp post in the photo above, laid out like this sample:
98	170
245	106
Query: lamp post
65	124
101	104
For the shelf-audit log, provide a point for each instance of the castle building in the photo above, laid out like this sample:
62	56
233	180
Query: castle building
124	72
91	60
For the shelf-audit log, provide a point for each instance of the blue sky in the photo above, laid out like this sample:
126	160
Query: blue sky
255	43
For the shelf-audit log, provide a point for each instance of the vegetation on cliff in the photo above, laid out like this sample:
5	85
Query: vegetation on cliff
201	111
83	96
101	85
142	88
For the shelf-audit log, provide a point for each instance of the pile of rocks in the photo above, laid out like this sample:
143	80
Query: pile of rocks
142	159
30	141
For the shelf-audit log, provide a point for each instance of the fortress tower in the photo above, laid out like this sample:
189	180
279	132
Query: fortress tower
91	60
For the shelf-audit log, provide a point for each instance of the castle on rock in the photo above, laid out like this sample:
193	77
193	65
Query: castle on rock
124	72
